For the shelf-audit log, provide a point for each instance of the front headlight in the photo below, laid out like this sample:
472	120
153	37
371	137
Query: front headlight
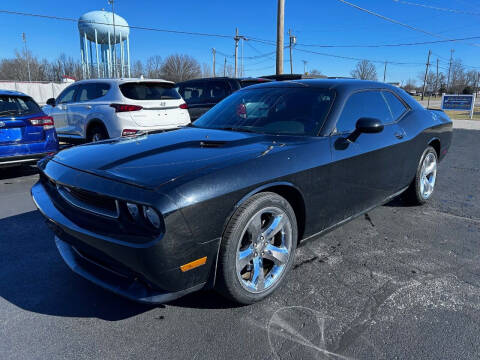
152	216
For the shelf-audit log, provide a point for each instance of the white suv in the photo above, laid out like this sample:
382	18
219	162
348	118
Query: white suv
94	110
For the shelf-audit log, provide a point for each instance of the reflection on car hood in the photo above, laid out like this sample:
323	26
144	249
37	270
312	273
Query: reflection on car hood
154	159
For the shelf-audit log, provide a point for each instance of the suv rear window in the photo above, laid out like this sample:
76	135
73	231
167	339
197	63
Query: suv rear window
149	91
17	106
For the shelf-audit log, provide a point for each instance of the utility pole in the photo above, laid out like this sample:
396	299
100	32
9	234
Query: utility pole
213	52
225	68
236	38
449	69
436	82
304	66
426	73
385	72
292	41
26	56
280	23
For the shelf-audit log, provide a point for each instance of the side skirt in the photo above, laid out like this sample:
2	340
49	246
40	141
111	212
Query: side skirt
350	218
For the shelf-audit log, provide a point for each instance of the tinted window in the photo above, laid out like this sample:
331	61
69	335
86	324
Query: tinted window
204	92
395	106
67	95
365	104
296	111
92	91
149	91
17	106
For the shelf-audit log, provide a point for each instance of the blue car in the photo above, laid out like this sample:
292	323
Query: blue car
26	132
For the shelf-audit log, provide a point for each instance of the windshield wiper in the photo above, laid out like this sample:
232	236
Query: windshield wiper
8	111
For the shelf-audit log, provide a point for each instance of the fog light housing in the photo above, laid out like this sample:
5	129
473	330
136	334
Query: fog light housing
152	216
133	210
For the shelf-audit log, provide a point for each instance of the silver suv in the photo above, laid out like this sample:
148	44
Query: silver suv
94	110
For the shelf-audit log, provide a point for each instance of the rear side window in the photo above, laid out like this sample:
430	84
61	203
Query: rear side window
365	104
17	106
149	91
92	91
395	106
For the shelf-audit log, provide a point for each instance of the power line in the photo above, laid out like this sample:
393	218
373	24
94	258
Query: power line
51	17
455	11
390	45
394	21
357	59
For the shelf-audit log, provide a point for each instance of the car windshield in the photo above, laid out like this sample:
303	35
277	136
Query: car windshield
17	106
149	91
271	110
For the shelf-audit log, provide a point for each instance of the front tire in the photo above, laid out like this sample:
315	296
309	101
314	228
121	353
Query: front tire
423	185
257	248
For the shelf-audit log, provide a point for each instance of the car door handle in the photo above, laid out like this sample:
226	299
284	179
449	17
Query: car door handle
399	135
88	106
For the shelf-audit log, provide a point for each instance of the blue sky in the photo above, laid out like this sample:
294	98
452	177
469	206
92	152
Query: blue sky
313	22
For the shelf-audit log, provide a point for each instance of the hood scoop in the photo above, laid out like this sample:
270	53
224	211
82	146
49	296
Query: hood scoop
212	144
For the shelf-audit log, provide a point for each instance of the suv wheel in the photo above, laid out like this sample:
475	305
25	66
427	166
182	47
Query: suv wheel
97	133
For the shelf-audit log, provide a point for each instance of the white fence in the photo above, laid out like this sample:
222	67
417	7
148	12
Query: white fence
39	91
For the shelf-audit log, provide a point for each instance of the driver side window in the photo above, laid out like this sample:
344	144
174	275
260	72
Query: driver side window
364	104
67	95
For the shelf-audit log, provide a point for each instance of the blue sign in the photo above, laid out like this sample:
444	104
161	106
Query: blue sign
457	102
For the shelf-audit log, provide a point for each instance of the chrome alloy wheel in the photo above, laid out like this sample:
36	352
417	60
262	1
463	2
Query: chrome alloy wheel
428	175
97	137
264	249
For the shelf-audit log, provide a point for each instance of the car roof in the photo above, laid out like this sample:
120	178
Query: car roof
338	84
122	81
12	93
224	78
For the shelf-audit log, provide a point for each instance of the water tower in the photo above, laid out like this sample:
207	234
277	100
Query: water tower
101	34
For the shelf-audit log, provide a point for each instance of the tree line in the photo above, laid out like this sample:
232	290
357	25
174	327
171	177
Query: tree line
176	67
461	80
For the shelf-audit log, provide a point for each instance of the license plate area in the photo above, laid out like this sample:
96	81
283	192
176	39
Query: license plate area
10	135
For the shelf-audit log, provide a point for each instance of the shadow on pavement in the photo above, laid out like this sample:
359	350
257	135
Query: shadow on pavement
17	171
35	278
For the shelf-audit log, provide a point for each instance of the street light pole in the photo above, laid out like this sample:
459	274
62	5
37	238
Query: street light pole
27	58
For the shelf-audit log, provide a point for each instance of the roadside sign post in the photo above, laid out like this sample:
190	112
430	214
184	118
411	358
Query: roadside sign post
459	103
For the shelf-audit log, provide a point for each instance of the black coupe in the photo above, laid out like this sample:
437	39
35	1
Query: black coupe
224	202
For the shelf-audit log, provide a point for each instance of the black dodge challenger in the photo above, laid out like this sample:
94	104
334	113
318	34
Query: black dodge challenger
223	203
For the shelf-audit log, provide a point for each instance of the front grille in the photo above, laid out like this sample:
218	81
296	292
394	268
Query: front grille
89	201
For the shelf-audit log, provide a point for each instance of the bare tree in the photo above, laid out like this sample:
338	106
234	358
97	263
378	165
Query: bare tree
180	67
364	70
206	70
153	67
138	69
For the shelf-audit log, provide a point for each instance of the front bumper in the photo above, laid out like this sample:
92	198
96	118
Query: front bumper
109	279
148	272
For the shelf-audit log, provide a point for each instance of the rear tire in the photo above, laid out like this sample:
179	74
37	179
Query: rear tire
257	248
423	185
97	133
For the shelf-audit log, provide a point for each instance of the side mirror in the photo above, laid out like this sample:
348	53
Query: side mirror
369	126
365	126
51	102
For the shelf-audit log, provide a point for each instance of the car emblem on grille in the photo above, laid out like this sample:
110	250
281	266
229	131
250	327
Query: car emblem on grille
2	124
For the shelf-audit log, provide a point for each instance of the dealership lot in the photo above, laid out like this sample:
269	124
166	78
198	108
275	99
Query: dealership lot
401	282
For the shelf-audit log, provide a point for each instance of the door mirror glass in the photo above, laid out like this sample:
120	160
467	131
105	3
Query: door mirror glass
51	102
369	126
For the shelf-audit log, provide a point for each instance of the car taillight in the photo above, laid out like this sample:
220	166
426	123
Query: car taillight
129	132
45	121
183	106
125	108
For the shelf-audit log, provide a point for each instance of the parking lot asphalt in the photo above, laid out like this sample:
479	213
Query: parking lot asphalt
399	283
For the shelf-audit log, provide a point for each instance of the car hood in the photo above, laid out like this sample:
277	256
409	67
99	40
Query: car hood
152	160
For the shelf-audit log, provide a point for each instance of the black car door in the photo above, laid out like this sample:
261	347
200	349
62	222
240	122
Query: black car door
369	169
